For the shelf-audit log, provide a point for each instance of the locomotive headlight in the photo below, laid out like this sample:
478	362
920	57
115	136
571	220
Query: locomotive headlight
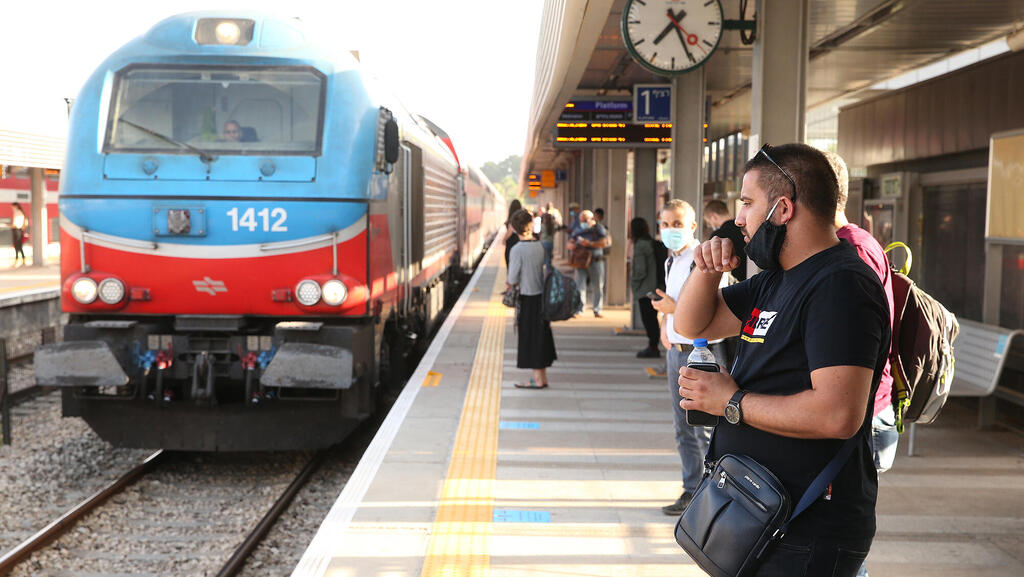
307	292
84	290
227	32
334	292
111	291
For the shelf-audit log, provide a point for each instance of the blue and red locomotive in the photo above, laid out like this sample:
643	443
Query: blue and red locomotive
252	234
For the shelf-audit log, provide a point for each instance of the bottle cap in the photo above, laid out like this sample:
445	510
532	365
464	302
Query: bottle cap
700	342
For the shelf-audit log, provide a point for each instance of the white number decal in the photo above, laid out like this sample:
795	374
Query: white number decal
248	219
281	216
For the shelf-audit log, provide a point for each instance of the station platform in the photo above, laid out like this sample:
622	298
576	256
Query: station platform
470	476
18	281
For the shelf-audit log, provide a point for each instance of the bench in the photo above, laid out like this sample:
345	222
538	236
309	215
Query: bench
982	352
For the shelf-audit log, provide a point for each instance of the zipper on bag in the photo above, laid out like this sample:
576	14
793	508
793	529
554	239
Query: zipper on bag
746	493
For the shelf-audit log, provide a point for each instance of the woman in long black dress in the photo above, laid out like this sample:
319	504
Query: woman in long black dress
526	269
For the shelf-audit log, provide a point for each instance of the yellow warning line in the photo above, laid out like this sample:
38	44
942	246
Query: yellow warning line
460	537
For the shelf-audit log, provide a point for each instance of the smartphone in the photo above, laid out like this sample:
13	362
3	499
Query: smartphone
654	296
700	418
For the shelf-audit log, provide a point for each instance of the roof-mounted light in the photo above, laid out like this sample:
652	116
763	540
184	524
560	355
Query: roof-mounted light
224	31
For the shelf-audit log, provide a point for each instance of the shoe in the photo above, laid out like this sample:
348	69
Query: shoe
679	506
648	354
598	315
531	384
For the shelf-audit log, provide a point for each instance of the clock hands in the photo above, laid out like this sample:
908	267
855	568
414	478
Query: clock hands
679	32
674	22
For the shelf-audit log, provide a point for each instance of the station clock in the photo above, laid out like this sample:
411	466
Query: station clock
671	37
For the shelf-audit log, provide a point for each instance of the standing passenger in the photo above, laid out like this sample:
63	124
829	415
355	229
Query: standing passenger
678	234
526	269
815	337
547	238
884	436
591	234
18	224
510	237
644	280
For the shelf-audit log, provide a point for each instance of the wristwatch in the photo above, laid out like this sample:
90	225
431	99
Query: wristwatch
733	412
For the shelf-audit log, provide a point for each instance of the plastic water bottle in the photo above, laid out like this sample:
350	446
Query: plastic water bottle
702	359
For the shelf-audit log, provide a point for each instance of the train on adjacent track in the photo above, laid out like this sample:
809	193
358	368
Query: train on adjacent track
254	235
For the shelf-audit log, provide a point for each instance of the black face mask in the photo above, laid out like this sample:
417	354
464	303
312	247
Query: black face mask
765	246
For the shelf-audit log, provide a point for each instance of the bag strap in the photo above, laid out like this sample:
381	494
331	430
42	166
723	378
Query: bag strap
905	269
824	478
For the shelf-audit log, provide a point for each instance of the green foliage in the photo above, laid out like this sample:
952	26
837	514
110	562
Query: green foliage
498	171
507	187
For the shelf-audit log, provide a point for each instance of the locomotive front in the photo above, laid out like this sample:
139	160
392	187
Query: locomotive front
215	241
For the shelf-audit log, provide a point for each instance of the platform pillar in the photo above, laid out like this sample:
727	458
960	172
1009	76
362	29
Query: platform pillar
38	222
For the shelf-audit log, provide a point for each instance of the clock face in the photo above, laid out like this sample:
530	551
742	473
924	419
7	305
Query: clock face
672	36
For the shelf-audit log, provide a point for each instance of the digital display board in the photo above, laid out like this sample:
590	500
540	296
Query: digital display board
625	134
607	124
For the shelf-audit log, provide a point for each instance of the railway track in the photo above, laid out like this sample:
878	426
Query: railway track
173	514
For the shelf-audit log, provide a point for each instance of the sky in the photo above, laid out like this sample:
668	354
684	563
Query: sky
468	65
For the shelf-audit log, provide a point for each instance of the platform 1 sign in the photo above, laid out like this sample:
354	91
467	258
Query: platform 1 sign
652	103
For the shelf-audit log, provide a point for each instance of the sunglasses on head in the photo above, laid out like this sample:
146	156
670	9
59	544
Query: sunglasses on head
764	151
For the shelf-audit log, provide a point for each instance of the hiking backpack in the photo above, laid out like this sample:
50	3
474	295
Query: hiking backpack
921	357
561	298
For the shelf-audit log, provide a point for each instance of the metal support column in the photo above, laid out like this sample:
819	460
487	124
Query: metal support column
779	86
38	221
617	287
687	131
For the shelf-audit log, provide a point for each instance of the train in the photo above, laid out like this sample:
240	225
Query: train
254	236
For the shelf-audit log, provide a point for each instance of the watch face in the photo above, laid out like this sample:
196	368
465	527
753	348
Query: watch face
672	36
732	413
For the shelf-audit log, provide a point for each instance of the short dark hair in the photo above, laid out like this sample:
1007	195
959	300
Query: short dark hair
599	212
816	184
521	221
716	207
842	176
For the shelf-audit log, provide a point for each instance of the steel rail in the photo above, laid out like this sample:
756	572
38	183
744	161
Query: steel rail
55	529
237	560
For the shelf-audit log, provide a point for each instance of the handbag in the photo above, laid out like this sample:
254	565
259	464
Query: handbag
741	509
580	257
510	297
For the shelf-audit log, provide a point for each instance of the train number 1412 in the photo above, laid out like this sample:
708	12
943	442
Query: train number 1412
251	219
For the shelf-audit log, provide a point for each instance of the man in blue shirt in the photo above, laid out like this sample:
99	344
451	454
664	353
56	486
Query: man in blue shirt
589	233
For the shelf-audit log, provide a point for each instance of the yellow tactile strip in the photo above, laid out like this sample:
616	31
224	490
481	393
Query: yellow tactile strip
460	536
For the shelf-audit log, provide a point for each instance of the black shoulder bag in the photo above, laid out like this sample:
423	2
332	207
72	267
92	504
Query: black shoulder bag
740	509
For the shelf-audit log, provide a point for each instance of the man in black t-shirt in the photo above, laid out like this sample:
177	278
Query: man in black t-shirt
814	333
716	215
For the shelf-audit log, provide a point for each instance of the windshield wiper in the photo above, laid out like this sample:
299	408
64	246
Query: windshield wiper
204	156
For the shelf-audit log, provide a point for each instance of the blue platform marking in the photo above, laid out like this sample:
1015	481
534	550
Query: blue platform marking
517	425
512	516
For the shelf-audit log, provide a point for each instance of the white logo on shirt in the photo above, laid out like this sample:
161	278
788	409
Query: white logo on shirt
764	322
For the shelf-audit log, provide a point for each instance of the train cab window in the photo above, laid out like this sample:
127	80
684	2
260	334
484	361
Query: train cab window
216	110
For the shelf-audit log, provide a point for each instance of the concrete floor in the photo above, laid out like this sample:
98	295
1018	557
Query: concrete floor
581	469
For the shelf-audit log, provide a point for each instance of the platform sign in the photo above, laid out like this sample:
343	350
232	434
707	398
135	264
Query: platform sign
606	110
608	124
547	179
652	103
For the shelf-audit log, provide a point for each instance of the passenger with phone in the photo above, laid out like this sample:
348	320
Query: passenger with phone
644	282
678	223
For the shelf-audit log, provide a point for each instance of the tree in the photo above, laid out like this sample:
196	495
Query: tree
497	171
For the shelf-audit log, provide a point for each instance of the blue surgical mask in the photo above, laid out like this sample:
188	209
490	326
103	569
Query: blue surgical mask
673	238
584	225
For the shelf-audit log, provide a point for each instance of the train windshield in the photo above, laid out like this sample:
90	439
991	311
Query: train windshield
216	110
